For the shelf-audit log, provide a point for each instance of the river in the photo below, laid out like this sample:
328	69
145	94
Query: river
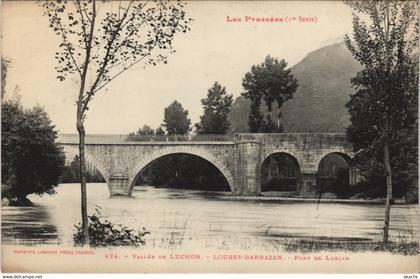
190	218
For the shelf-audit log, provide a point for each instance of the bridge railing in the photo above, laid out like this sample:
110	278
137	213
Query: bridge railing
301	139
92	138
120	139
177	138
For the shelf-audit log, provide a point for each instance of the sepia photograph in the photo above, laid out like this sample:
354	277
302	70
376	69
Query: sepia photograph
165	136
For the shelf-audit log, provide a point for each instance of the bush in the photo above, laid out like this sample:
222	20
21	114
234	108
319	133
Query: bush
103	233
365	190
282	184
337	184
412	194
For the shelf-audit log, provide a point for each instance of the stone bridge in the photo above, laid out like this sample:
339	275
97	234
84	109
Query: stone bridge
239	157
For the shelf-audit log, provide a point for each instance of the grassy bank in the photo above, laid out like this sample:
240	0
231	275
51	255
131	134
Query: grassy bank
308	245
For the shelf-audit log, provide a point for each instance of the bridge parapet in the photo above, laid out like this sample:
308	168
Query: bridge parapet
299	140
308	140
92	138
134	139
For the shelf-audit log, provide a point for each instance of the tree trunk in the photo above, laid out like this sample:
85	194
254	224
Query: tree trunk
85	224
387	120
388	187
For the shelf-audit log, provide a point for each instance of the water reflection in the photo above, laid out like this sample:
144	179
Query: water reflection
28	225
201	219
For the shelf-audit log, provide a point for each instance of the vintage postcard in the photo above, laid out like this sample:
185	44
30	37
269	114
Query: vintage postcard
209	136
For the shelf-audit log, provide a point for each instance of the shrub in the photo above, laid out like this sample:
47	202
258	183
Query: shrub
103	233
337	184
287	184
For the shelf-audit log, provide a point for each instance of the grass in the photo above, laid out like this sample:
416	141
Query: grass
308	245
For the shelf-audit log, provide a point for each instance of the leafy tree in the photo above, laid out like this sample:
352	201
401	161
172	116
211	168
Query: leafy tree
384	108
98	44
255	118
146	130
216	106
145	133
159	131
272	82
176	120
31	160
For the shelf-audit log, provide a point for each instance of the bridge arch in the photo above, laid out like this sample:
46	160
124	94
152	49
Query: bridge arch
199	152
345	156
285	161
291	153
324	167
90	159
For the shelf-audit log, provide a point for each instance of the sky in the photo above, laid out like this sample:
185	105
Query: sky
214	50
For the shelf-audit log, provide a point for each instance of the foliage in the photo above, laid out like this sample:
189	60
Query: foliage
216	106
71	174
279	172
385	35
103	233
145	133
31	160
146	130
255	118
281	184
317	105
159	131
176	120
329	245
184	171
112	41
100	42
273	83
4	66
384	108
337	184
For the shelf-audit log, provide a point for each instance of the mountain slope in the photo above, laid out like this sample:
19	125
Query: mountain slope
318	105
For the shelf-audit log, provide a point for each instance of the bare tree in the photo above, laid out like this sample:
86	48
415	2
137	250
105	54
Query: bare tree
100	41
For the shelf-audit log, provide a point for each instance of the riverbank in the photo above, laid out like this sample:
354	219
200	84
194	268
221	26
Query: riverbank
311	246
16	202
377	201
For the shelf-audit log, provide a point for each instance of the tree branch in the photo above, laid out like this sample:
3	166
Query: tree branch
67	44
91	92
79	10
117	74
80	105
134	30
123	70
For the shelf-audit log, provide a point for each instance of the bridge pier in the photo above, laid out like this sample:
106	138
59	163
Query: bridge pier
118	185
247	171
